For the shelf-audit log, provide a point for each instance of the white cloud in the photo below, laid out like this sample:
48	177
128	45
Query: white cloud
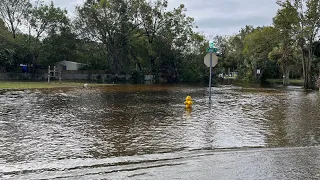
226	17
223	17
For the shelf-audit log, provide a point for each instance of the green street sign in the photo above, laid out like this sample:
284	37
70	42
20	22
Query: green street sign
211	44
211	50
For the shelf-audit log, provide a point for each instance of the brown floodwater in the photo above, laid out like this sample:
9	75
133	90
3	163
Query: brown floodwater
90	132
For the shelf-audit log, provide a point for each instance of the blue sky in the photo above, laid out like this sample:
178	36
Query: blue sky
222	17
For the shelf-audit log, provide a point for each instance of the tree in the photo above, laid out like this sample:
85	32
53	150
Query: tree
286	57
152	20
47	18
57	47
257	46
226	61
173	42
6	45
13	12
235	57
111	23
90	53
13	51
137	35
308	13
192	68
286	22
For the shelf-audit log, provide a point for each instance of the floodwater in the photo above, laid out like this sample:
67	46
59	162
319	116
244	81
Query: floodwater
144	132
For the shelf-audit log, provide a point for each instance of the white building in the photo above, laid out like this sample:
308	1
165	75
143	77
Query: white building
69	65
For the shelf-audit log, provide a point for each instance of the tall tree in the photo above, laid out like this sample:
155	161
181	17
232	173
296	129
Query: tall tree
286	22
308	12
13	12
258	45
112	23
152	20
47	18
286	57
6	45
193	69
173	42
234	56
58	47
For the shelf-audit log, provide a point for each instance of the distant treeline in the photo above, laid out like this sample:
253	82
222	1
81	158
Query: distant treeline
139	37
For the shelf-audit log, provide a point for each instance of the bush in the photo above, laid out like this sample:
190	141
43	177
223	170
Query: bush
99	79
137	77
89	78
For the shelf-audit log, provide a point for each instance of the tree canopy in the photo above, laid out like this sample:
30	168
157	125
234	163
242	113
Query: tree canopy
144	37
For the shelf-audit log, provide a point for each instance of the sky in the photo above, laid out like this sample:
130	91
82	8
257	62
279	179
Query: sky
214	17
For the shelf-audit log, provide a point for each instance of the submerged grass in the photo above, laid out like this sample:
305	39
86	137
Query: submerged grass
291	81
40	85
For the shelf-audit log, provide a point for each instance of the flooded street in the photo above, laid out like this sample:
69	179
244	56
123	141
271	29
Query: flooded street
145	132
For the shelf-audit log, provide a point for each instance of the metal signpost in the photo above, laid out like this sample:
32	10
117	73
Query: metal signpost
211	60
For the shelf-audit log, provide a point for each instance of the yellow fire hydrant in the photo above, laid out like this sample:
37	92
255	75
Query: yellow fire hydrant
188	102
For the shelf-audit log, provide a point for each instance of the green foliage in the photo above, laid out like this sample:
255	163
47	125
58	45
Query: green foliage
233	57
287	23
99	79
13	13
58	47
47	18
6	45
257	46
305	14
276	50
137	77
140	37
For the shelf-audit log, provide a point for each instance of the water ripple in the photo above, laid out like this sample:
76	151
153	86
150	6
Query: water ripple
57	131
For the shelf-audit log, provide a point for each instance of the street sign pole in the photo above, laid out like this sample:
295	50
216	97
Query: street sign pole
211	60
210	77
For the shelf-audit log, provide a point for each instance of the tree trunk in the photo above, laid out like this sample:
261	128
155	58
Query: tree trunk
306	67
153	65
287	78
303	67
137	61
307	72
318	81
13	30
307	79
305	75
13	33
286	73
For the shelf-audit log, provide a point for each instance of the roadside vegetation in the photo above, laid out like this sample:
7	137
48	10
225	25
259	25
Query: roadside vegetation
44	85
141	37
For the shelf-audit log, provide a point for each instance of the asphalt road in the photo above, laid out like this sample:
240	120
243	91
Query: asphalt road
247	164
279	163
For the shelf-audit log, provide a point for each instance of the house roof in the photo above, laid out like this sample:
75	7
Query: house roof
72	62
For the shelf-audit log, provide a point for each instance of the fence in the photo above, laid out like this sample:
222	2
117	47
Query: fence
22	76
88	75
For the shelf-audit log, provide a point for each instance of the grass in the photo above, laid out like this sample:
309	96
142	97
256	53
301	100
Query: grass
40	85
291	81
227	77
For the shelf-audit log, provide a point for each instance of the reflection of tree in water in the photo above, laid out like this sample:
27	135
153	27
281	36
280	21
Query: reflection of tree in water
276	135
31	125
294	121
303	119
131	123
14	126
